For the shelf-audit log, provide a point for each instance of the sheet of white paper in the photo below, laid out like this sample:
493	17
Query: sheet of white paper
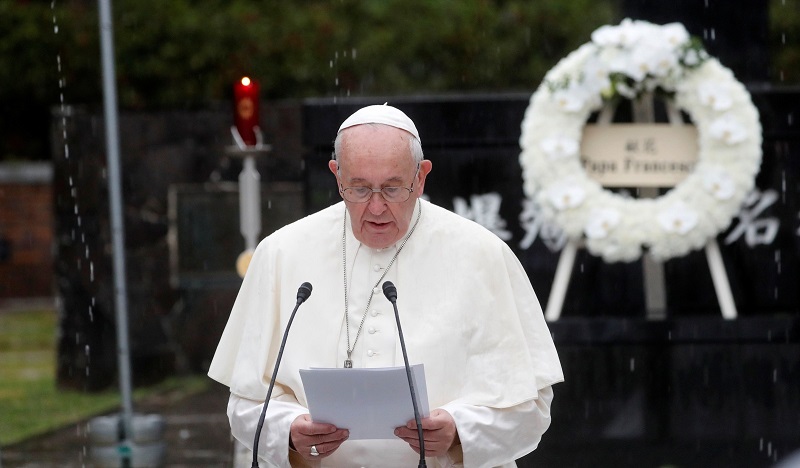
370	403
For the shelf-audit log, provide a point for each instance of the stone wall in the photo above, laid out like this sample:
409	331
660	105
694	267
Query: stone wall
176	309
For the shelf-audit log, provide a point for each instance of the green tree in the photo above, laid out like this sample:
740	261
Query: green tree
188	53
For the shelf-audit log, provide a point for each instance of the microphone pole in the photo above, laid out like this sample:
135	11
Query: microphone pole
302	295
391	293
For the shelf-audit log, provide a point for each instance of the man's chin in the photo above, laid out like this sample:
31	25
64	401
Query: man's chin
378	238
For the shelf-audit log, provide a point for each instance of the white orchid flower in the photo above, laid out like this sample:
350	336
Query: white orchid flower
719	183
572	99
559	147
564	196
728	130
674	34
678	218
596	76
601	222
691	57
714	96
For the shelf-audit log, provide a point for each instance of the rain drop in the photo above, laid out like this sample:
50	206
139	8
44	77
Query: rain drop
783	186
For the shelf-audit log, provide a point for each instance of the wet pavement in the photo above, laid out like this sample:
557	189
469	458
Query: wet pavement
196	435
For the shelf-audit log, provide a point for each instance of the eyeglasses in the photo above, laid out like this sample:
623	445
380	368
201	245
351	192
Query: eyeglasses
390	194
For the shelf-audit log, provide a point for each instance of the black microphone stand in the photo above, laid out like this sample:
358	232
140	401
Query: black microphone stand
302	295
390	291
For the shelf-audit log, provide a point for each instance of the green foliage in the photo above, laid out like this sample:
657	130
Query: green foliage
188	53
182	53
30	402
784	41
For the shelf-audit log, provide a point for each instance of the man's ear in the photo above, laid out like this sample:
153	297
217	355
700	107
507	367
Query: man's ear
425	167
334	167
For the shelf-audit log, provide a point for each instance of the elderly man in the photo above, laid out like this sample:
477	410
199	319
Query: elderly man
469	314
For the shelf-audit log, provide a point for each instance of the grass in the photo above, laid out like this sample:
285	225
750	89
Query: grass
30	402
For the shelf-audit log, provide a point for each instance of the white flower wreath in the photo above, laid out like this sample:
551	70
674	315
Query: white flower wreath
625	61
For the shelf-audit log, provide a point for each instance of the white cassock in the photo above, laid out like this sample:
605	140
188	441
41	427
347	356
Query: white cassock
468	313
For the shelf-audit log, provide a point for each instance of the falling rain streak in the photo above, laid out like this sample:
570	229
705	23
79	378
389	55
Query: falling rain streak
333	65
65	112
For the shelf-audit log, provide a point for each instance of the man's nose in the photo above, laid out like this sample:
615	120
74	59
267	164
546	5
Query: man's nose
376	203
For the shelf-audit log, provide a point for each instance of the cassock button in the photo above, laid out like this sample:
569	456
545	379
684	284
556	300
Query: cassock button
374	313
376	267
372	330
376	290
370	353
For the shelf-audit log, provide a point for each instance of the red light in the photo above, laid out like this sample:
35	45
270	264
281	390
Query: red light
245	93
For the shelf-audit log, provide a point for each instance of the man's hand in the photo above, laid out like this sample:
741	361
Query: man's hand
325	437
438	430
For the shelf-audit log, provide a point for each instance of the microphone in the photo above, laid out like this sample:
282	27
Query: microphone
302	295
391	293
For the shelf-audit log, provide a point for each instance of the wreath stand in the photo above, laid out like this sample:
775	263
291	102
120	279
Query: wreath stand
652	270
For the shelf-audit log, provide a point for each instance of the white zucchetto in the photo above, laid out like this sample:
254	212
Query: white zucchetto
381	114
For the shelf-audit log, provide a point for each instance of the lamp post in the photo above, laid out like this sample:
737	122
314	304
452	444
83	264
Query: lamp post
117	228
249	144
122	440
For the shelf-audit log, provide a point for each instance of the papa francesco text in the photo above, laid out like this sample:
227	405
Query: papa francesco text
631	165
